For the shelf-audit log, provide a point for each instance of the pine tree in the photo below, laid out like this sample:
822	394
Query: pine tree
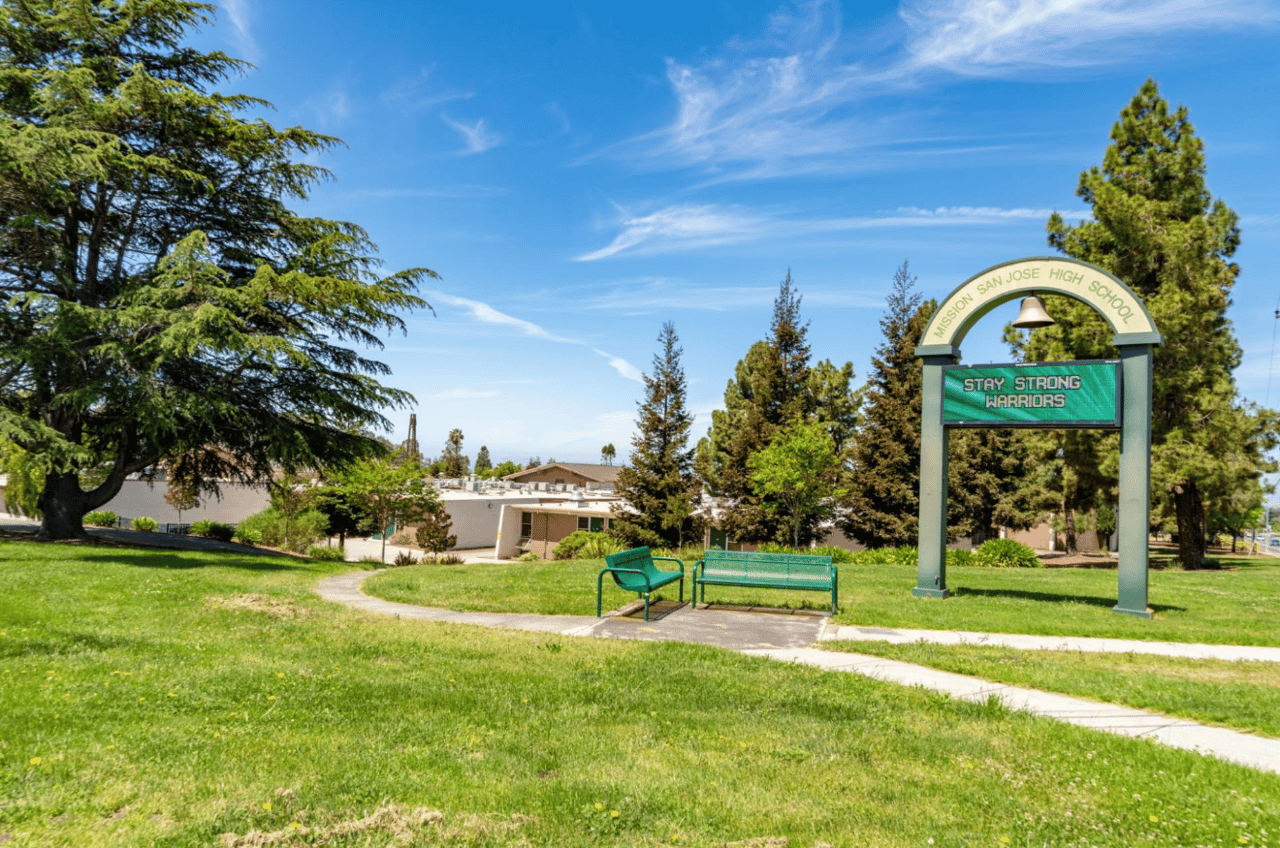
659	487
433	533
882	503
483	463
160	296
1156	227
773	387
992	483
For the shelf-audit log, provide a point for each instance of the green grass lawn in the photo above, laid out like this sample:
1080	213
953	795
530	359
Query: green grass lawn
1239	604
171	699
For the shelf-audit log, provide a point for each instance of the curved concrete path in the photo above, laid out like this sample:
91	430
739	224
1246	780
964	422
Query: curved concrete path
789	638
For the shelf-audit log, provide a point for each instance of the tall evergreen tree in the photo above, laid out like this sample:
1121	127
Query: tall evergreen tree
659	487
774	387
483	463
160	297
882	503
992	483
1155	226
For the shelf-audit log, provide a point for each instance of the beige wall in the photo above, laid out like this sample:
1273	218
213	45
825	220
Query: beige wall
556	475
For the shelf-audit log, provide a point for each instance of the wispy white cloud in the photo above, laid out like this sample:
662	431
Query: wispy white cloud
556	111
622	366
421	91
477	137
797	101
684	227
331	107
663	296
1009	37
239	14
486	314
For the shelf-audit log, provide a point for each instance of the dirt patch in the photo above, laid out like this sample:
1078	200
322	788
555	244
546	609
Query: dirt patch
1092	560
266	604
401	826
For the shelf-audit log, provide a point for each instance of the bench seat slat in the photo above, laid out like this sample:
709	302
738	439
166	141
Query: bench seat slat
765	571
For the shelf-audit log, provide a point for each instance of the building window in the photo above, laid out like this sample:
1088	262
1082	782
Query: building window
583	523
591	524
526	524
597	525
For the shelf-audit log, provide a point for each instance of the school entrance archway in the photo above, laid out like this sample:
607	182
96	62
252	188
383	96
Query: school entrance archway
1135	337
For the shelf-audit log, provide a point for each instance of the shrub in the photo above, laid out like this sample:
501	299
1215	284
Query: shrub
959	557
444	559
247	535
527	556
371	560
326	554
102	518
404	558
149	525
303	531
213	530
599	546
1005	553
570	546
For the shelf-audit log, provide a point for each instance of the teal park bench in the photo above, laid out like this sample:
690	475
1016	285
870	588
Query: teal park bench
764	571
634	571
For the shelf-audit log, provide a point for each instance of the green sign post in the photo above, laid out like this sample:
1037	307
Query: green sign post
939	350
1049	394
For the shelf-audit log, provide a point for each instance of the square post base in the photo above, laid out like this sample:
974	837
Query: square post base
931	593
1144	613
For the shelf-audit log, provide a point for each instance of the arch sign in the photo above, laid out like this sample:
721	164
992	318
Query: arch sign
1114	394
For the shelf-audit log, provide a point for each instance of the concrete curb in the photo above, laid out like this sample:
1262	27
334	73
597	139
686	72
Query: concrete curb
900	636
1256	752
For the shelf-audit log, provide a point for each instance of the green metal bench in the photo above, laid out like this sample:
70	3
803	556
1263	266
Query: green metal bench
634	571
765	571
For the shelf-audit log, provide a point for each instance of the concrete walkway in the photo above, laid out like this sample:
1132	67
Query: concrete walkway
789	637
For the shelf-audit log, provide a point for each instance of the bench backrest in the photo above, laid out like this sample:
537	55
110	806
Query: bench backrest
636	558
747	564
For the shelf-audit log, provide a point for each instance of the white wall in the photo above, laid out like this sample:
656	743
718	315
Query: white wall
475	519
138	498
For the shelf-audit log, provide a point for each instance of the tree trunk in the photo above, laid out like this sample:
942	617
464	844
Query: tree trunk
1190	511
63	504
1068	528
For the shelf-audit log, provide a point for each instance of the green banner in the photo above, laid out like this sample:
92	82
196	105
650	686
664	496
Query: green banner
1046	394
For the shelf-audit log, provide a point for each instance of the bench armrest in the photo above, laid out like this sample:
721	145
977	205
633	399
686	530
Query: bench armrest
678	562
609	568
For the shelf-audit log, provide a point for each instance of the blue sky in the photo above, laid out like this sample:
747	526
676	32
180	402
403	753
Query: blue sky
579	173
